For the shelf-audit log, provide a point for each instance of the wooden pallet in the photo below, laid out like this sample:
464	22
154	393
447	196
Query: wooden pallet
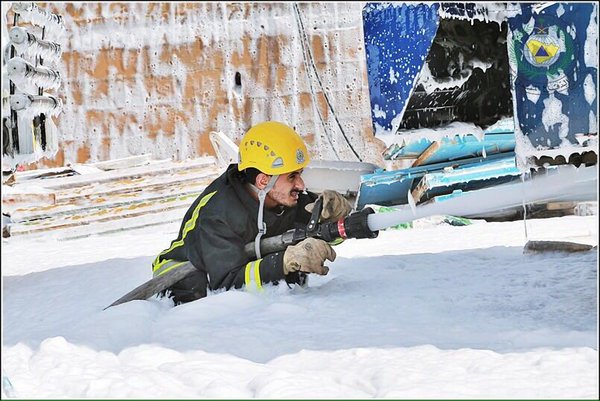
106	197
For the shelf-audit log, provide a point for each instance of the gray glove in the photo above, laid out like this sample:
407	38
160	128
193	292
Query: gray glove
335	206
308	256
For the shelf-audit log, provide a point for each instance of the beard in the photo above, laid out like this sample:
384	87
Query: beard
285	198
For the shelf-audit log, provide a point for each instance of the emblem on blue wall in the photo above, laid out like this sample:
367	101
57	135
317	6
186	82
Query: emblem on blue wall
545	53
554	75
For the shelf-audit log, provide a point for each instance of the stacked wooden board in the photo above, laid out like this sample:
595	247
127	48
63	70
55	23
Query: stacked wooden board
116	195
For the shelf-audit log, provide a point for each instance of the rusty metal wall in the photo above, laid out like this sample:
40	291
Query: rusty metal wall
159	77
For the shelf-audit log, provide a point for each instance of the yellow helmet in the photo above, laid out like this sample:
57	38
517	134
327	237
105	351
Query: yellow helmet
272	148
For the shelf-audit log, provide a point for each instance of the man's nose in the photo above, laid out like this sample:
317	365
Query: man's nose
299	183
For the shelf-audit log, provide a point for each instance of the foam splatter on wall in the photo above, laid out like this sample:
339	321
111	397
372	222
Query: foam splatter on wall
159	77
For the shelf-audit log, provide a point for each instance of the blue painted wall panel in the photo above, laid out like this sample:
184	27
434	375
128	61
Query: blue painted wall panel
397	40
555	92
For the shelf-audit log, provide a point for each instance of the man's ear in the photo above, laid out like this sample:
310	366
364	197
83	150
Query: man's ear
262	180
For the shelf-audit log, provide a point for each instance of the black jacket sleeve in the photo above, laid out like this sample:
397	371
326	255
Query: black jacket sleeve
220	250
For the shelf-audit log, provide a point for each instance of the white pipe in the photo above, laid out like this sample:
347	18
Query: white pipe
35	104
24	74
31	12
564	183
26	42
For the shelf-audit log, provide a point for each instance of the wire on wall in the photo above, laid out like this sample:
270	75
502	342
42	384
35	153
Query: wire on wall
306	50
310	85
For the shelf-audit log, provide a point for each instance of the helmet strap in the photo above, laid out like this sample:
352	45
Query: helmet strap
262	227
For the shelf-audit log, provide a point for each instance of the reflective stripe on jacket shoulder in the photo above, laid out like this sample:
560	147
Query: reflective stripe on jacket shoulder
160	267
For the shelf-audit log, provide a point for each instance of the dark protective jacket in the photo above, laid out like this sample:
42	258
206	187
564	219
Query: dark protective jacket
213	234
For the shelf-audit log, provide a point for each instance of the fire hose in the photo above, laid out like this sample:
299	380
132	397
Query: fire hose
355	225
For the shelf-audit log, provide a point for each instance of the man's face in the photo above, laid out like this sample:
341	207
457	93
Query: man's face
287	189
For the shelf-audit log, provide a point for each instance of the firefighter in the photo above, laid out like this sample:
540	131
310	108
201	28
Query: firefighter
260	197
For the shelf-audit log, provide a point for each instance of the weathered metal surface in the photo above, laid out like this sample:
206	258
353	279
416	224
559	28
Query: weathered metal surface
397	40
553	56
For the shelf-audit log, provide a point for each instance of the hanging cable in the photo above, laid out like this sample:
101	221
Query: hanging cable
305	39
312	91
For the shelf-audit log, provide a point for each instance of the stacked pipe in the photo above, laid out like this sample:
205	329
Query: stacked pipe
33	55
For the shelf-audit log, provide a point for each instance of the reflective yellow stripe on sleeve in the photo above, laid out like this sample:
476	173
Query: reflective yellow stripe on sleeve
252	276
167	265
